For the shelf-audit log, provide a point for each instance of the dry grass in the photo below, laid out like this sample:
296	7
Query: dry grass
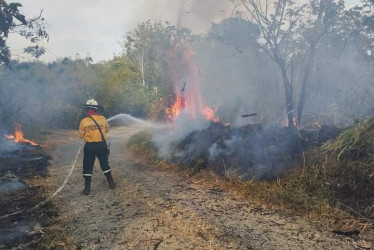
141	146
349	169
55	236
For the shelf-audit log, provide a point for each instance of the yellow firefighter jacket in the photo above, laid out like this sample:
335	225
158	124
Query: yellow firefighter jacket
89	131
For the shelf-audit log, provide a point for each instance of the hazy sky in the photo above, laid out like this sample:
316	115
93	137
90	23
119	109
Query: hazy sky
97	27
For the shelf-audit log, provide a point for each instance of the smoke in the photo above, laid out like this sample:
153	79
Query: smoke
7	187
342	86
227	147
6	146
166	140
42	96
239	78
16	232
235	76
193	14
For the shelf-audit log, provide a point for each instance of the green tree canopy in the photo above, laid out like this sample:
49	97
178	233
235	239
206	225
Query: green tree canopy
12	21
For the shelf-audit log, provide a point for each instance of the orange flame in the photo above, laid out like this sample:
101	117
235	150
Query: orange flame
18	137
189	97
173	112
285	122
210	114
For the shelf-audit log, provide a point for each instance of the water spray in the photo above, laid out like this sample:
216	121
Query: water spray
128	120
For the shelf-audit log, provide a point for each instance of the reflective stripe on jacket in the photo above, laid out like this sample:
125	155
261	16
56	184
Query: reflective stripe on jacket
89	131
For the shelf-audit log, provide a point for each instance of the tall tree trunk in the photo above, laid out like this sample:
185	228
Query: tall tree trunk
305	83
142	68
310	63
288	93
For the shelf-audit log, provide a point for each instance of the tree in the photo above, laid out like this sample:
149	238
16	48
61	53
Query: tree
281	26
12	21
362	24
236	75
148	47
323	18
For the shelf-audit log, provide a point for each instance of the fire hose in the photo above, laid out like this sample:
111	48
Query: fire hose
52	195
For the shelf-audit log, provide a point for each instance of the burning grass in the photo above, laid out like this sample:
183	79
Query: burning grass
332	176
18	137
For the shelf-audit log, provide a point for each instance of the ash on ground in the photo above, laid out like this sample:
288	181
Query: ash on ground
18	168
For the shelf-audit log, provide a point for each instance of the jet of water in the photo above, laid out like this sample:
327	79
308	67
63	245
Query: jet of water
128	120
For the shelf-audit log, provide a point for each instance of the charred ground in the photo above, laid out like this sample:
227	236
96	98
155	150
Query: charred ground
24	183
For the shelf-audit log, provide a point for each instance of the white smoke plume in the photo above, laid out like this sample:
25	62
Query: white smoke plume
193	14
166	140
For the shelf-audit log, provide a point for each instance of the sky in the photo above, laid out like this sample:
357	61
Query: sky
96	28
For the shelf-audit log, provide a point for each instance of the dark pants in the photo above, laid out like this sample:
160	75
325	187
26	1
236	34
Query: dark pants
92	150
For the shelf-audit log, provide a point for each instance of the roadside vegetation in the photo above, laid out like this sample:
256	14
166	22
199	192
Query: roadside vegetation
333	183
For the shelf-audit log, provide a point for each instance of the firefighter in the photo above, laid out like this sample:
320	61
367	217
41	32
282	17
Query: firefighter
95	145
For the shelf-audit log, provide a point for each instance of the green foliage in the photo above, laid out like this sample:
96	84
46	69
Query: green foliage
149	48
119	91
11	20
142	147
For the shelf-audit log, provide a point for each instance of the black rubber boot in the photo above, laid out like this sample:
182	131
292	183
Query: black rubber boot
111	182
87	185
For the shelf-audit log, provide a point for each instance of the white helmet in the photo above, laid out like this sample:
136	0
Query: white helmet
92	104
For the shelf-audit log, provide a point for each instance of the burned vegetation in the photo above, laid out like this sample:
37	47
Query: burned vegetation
23	184
251	152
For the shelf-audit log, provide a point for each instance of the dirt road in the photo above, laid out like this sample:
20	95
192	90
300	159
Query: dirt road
155	209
